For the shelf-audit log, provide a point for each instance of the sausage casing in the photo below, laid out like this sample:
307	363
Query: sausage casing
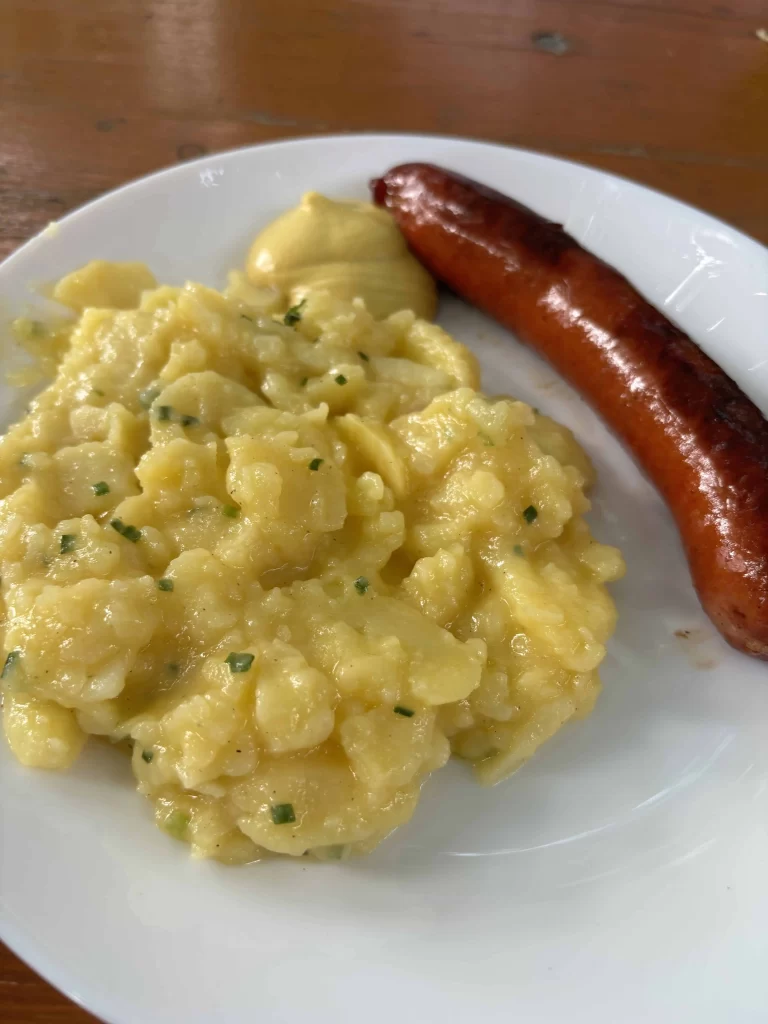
699	438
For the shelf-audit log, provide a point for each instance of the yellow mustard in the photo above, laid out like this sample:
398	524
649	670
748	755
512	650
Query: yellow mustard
351	249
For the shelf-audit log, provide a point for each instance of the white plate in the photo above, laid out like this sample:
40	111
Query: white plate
621	876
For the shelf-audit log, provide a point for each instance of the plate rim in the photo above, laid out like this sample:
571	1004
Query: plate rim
170	170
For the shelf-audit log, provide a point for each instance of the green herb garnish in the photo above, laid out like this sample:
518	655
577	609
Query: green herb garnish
230	511
165	584
283	814
173	667
315	464
97	391
239	662
190	421
293	315
530	514
361	584
364	357
164	412
405	712
67	543
303	382
100	489
248	318
147	755
11	662
341	379
176	824
130	533
518	549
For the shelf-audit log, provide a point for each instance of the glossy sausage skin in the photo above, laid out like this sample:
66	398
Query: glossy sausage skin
700	439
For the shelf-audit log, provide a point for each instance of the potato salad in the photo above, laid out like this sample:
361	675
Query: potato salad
288	558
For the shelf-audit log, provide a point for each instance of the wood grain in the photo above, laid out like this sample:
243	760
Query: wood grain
672	93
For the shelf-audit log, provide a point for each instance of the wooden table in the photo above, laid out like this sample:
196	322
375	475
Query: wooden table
673	93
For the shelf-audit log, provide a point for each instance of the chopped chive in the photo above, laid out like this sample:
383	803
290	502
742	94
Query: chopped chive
364	357
283	814
130	533
176	824
248	318
147	397
315	464
518	549
164	412
165	584
97	391
341	379
486	440
147	755
10	663
361	584
67	543
230	511
190	421
303	382
293	315
239	662
530	514
405	712
173	667
100	489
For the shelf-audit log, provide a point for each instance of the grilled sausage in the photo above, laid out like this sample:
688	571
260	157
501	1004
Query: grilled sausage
699	438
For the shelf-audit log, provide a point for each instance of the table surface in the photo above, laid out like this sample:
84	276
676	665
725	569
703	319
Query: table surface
672	93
